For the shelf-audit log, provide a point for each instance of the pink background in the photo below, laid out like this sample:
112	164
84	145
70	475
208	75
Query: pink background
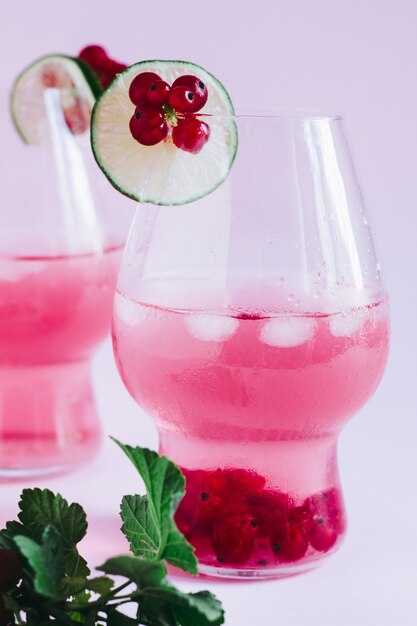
354	57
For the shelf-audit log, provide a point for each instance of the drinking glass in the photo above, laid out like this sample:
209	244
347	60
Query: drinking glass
60	247
251	325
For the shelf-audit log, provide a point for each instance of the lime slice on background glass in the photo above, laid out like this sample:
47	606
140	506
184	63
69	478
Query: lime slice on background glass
162	173
75	80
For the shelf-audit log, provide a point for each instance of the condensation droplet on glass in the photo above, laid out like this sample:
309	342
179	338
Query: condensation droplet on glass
280	281
293	299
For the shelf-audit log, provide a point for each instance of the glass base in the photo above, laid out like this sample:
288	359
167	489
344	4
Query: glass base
48	419
225	574
260	574
259	509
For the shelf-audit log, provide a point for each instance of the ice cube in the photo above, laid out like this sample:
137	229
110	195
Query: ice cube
287	332
345	325
129	312
209	327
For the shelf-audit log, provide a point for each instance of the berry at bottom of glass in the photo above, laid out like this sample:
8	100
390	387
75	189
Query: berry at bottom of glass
250	406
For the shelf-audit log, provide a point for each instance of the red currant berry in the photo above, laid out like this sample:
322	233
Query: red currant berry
214	483
328	505
322	535
242	481
233	539
289	543
190	134
269	509
146	116
193	95
110	74
147	125
10	569
95	56
188	511
181	99
152	136
300	516
250	316
138	90
158	92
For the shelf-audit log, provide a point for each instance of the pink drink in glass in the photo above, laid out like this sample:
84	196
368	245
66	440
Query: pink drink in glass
250	405
53	313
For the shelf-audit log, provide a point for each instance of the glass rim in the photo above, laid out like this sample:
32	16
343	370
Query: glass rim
291	115
257	114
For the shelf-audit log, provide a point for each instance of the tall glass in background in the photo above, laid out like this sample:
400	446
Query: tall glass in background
251	325
61	240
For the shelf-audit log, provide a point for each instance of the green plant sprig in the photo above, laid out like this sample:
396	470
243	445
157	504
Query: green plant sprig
44	579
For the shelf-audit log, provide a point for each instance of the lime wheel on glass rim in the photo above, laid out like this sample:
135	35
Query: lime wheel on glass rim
163	132
80	80
78	88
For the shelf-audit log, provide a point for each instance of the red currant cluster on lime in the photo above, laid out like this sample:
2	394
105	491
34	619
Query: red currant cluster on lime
10	576
102	65
162	109
231	517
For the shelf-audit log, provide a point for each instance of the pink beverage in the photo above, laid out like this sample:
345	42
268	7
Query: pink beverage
53	313
250	406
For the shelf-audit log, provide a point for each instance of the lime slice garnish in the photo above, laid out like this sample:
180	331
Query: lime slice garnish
77	83
162	174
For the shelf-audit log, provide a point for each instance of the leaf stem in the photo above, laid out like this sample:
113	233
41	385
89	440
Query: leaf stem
101	601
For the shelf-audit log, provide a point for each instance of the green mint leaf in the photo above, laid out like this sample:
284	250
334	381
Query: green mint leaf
153	613
144	537
142	573
7	535
46	560
160	604
182	609
140	527
148	521
179	552
40	508
101	585
199	609
72	586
